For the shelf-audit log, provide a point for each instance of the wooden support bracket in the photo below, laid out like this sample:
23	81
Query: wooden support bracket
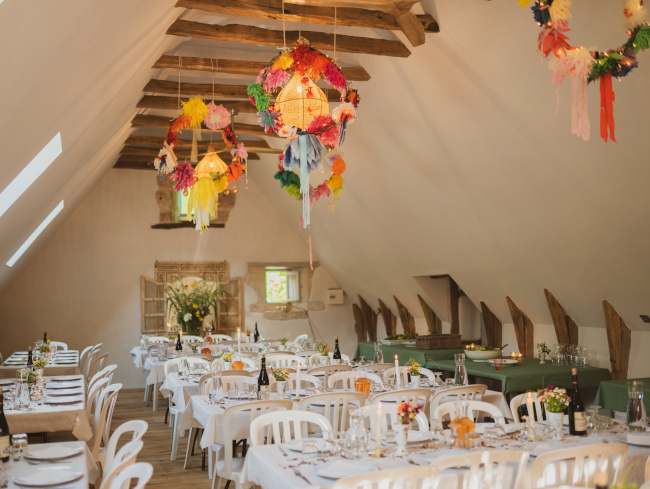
566	329
524	330
493	327
433	321
370	319
454	296
359	323
390	320
408	321
619	340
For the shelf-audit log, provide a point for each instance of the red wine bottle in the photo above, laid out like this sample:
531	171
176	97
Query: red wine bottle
263	380
577	415
30	360
5	443
336	356
45	336
179	345
256	334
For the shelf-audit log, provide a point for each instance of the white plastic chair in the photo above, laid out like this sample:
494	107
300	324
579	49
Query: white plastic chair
411	477
327	370
93	396
90	360
389	412
377	368
475	407
300	339
291	380
83	358
186	339
283	360
416	396
427	373
472	392
158	339
334	406
102	421
517	401
136	428
218	338
576	466
494	464
125	456
279	426
347	379
98	365
404	375
252	347
250	364
237	382
241	373
59	345
142	471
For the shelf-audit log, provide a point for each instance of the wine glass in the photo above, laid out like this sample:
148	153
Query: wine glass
592	421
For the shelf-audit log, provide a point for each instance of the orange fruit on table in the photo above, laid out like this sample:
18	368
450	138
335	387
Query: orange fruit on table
208	340
238	365
206	351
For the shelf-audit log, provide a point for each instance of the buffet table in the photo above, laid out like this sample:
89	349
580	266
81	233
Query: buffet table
426	358
612	394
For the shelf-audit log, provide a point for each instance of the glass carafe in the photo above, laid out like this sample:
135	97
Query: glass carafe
362	384
356	437
379	355
460	375
635	407
462	424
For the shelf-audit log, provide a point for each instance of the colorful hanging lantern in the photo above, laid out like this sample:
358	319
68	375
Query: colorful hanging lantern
204	194
300	101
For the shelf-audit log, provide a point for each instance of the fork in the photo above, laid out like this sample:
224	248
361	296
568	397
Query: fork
296	471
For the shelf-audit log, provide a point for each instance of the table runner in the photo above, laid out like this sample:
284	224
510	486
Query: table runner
9	371
531	375
426	358
612	394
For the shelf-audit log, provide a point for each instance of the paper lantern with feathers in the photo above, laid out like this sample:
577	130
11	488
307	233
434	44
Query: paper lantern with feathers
300	101
204	194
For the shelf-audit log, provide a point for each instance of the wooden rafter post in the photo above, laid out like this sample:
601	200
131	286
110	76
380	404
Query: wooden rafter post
454	297
390	320
619	340
434	324
524	330
370	318
408	321
566	329
359	323
493	327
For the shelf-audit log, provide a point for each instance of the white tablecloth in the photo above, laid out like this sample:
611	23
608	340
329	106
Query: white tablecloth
139	356
156	370
179	390
62	364
49	419
83	462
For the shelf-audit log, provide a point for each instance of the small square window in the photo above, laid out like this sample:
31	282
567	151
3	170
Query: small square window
183	205
282	286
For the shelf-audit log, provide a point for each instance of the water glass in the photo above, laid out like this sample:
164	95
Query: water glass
498	363
473	441
635	408
309	446
19	445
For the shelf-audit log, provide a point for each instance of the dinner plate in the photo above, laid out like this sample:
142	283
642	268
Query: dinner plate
342	469
292	392
58	378
510	428
64	392
296	445
63	400
63	385
53	452
640	439
48	476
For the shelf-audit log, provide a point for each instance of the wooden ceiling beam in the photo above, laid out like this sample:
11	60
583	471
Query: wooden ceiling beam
134	140
206	90
239	67
152	153
161	121
354	17
257	35
171	103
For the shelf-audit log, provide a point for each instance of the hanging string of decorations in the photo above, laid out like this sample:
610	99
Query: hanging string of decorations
301	114
212	176
582	66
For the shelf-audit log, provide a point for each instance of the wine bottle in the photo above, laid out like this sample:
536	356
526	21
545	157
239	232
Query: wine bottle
263	381
601	480
4	432
256	334
179	345
577	415
45	336
30	361
336	356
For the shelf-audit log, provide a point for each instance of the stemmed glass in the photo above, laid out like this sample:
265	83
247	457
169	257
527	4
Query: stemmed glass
593	421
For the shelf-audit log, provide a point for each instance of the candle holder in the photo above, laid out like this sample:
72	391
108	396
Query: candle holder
378	453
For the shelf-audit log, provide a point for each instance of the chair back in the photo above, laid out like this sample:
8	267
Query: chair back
237	373
345	380
90	361
334	406
252	347
136	429
411	477
83	356
494	464
204	356
94	392
236	382
577	466
404	375
158	339
329	370
169	364
476	407
301	339
187	339
59	345
313	380
416	396
270	354
248	362
389	414
103	417
427	373
378	368
282	360
278	427
473	392
125	456
142	471
218	338
108	372
517	401
98	365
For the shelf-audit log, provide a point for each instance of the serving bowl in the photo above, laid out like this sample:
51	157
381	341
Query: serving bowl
483	355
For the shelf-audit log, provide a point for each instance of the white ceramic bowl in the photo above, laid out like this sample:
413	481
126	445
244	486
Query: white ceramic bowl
483	355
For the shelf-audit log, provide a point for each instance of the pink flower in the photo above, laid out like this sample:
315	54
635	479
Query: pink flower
334	77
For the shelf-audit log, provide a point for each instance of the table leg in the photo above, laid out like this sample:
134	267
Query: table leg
155	395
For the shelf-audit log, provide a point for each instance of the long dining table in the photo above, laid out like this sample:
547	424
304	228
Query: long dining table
65	362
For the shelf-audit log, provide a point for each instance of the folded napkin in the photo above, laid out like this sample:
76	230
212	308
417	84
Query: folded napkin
48	476
344	468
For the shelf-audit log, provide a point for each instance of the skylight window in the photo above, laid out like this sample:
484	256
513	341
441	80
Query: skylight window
35	234
30	173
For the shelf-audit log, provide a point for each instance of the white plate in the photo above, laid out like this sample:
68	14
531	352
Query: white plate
64	392
64	377
292	392
342	469
64	400
296	445
510	428
53	452
637	441
63	385
48	476
418	436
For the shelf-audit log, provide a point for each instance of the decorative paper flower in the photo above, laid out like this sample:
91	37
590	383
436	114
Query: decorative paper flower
293	191
270	120
284	61
551	40
171	138
351	95
272	79
180	123
325	129
576	63
240	152
559	10
540	12
287	131
221	183
196	110
333	155
334	77
258	95
315	153
308	62
235	170
338	166
166	161
287	178
344	113
229	137
625	66
335	182
184	177
218	117
635	14
321	191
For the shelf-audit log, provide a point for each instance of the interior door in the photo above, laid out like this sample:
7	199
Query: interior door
152	306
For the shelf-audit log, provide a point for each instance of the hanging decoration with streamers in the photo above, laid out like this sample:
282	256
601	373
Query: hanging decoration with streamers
582	66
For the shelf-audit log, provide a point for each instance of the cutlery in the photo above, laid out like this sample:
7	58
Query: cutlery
296	471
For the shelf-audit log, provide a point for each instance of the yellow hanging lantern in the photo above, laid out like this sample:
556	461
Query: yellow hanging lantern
300	101
204	193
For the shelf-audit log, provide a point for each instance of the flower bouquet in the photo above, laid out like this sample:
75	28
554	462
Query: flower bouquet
555	401
542	351
413	369
406	413
192	303
281	377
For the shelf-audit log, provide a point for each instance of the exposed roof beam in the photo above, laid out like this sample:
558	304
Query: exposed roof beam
356	17
257	35
205	90
145	120
134	140
171	103
146	154
252	68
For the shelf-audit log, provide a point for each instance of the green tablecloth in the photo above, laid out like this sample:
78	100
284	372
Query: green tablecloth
426	358
531	375
612	394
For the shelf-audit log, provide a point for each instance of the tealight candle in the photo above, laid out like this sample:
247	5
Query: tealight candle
378	431
472	345
298	381
238	339
397	372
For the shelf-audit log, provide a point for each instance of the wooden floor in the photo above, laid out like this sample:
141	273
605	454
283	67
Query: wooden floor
157	444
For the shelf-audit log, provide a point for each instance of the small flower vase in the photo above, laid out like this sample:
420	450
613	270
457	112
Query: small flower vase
281	347
281	386
556	421
415	380
401	437
324	360
542	357
39	373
